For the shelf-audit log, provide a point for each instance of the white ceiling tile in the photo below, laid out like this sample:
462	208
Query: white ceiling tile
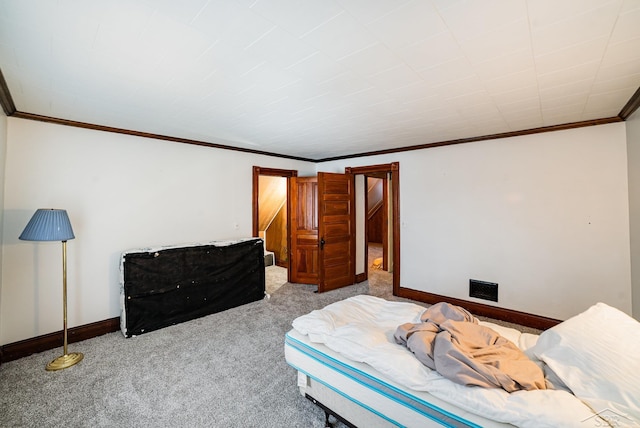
417	91
619	70
480	112
22	39
543	13
399	76
370	60
185	11
366	11
557	102
235	25
117	31
529	120
512	115
340	36
279	47
524	104
566	114
608	101
571	74
627	81
297	17
514	95
415	20
567	89
345	84
479	101
458	88
629	5
317	68
469	19
504	40
437	49
580	53
511	82
319	78
456	69
505	65
598	22
621	52
627	26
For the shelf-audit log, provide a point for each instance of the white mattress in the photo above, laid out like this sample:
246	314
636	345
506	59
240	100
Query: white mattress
360	331
390	403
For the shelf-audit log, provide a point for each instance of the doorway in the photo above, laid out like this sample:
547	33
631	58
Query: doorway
388	230
391	258
271	223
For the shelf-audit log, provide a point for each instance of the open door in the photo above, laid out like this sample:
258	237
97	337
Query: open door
303	217
336	222
322	230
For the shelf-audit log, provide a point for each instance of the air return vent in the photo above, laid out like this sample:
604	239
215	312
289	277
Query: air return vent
483	290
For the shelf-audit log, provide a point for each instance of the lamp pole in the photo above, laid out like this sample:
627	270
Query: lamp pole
54	225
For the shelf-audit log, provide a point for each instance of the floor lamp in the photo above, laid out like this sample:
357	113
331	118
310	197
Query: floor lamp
54	225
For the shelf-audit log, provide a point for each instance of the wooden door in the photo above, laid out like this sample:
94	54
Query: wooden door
304	230
336	223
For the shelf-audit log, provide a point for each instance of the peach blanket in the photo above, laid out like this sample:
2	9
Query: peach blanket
449	340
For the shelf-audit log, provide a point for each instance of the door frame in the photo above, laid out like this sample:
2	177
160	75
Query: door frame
274	172
394	169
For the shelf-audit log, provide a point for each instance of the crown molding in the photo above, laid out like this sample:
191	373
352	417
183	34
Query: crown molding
481	138
631	106
5	97
10	109
95	127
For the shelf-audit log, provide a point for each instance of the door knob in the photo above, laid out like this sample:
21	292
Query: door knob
322	243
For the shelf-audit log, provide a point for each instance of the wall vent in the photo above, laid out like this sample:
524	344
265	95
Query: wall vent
483	290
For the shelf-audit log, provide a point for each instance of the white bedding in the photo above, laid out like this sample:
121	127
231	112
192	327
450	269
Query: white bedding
361	329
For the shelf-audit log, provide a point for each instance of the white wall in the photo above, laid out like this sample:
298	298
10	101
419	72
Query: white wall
121	192
3	152
546	216
633	153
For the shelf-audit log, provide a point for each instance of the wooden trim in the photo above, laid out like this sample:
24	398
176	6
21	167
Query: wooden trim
481	138
385	223
275	172
627	110
370	169
509	315
94	127
631	106
361	277
365	275
257	172
5	97
395	200
24	348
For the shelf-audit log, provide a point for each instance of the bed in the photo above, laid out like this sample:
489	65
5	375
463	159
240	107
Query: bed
349	364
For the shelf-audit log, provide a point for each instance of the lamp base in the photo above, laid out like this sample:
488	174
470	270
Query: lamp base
65	361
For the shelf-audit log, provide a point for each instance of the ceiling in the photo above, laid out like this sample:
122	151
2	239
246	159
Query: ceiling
320	79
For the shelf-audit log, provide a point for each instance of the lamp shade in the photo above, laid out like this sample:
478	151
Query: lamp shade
48	225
